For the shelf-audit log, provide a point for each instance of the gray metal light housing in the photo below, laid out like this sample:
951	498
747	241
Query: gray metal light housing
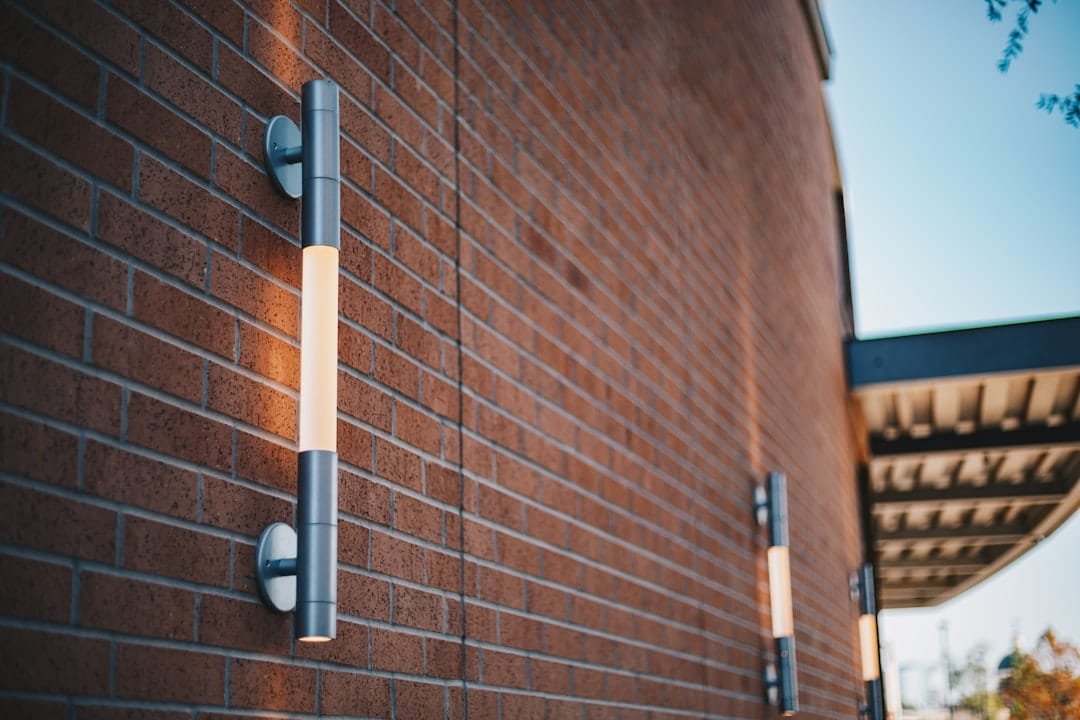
298	569
868	642
770	507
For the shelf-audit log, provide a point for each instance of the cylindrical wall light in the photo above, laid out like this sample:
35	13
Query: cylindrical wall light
868	643
770	505
299	569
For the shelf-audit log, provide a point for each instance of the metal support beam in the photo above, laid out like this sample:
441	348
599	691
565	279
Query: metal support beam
998	441
978	351
958	566
1031	493
999	534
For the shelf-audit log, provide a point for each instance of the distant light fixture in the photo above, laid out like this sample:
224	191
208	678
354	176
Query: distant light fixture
868	642
770	507
298	569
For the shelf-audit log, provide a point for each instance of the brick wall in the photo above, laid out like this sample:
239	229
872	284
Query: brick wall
588	297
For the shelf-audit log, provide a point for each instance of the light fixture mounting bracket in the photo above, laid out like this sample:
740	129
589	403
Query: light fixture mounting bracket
275	567
282	147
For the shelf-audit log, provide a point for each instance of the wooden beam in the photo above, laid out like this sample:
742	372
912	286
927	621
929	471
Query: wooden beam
1032	493
994	534
1029	436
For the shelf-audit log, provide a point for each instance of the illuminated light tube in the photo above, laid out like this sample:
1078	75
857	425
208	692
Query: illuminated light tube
298	570
771	507
868	643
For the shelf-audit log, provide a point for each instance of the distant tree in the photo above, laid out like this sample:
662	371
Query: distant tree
972	678
1045	684
1068	105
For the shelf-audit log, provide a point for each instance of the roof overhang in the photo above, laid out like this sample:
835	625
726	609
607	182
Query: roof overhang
973	441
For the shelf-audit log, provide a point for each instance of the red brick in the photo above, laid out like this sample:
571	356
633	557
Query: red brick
398	284
241	509
261	92
504	669
184	315
366	131
170	551
354	348
228	19
396	557
163	675
251	402
174	27
157	126
359	41
364	402
401	120
363	596
350	647
43	184
37	451
398	465
417	609
246	290
135	480
401	203
443	658
502	588
356	256
356	166
276	56
58	391
265	462
338	64
40	317
365	217
413	339
126	227
362	497
354	445
96	28
441	397
444	569
33	709
368	311
111	712
244	625
47	662
248	184
419	701
179	198
70	135
58	259
134	607
396	371
272	686
397	651
352	543
41	53
417	429
355	694
272	252
269	356
178	432
417	518
35	590
143	358
499	507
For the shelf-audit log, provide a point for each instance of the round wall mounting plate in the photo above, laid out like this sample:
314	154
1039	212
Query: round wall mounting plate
277	542
282	134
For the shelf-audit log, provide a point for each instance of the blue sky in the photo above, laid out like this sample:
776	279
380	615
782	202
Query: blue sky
964	209
964	200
